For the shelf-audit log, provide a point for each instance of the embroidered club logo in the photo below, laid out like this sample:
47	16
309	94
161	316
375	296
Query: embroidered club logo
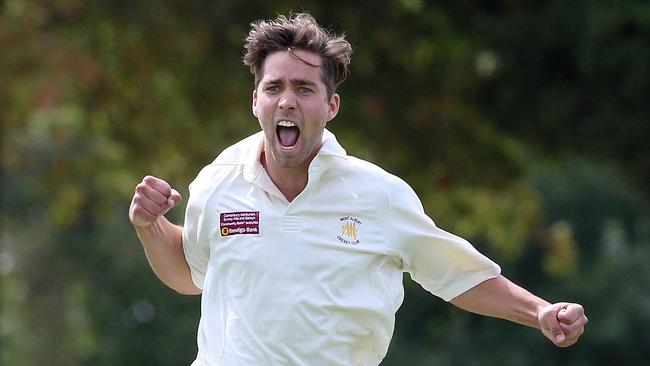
349	230
244	222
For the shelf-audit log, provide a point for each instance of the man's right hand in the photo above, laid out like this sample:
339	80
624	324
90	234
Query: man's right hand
153	198
162	240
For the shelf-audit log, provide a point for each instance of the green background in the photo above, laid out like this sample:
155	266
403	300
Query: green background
523	126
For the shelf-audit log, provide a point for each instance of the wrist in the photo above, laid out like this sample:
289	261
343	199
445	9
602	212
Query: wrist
154	230
540	307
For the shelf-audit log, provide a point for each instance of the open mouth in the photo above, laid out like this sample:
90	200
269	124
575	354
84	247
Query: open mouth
287	133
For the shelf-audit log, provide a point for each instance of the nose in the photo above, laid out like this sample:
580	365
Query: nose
287	100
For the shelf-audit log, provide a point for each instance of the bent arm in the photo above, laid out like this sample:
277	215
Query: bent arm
500	298
163	246
563	323
162	240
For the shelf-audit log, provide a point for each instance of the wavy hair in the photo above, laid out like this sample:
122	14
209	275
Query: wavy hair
298	31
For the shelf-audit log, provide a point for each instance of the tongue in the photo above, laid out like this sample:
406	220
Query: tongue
288	135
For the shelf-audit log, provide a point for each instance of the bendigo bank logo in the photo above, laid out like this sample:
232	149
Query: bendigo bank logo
349	230
243	222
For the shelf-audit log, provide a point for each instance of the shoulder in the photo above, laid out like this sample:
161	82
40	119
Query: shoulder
230	161
377	175
388	188
240	152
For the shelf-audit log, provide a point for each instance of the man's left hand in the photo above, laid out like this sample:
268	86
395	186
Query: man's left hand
563	323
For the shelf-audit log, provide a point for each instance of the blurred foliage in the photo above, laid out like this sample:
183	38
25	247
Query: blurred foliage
522	126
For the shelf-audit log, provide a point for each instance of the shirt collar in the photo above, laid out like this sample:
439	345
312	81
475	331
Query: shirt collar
331	146
251	158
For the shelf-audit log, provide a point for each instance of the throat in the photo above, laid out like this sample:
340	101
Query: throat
289	181
289	185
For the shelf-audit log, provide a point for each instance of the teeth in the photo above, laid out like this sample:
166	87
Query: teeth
286	124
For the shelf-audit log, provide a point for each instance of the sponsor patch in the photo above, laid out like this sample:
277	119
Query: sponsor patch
244	222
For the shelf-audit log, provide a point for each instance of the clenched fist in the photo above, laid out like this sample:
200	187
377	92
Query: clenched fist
563	323
153	198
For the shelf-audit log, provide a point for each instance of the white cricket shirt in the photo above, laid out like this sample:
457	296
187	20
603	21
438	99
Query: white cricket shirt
314	282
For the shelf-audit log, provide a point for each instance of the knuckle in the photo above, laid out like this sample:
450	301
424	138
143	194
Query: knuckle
138	199
579	308
136	202
140	188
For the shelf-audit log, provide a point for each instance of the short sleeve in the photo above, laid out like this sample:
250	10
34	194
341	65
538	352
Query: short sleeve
195	243
444	264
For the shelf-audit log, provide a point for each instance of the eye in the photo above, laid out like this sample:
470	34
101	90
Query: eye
305	91
272	89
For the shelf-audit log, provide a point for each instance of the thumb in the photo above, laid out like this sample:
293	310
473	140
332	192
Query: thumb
554	326
558	333
173	200
551	324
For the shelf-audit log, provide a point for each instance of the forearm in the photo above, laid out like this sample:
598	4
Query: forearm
500	298
163	246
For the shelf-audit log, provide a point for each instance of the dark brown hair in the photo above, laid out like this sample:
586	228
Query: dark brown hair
299	31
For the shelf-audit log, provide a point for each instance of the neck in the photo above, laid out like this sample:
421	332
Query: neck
290	181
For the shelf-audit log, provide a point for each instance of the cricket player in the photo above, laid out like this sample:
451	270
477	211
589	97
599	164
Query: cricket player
299	249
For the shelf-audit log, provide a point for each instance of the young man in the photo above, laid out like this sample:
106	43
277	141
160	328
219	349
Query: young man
298	249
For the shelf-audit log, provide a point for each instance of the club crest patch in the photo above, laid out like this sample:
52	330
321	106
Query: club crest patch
243	222
349	230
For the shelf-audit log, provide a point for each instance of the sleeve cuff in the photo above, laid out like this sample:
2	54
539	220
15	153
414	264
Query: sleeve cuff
468	283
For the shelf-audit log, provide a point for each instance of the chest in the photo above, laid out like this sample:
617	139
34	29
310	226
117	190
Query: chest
330	235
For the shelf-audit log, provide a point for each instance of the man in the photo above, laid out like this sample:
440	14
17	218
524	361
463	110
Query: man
298	249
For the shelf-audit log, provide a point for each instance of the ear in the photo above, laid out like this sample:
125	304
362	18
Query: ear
334	104
254	102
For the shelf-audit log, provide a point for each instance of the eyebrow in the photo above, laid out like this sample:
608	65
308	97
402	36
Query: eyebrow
292	82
